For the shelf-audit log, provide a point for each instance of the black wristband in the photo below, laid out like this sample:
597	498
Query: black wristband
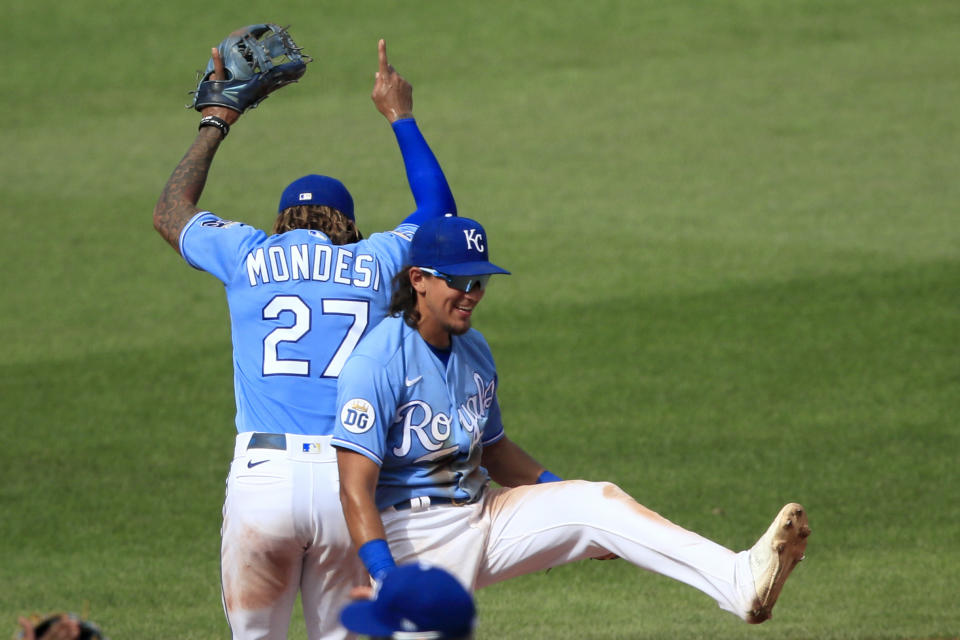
214	121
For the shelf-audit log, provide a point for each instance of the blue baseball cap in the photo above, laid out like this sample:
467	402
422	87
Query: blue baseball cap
318	190
414	598
454	246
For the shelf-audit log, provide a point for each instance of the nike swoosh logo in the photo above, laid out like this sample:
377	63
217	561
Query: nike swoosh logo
412	381
251	464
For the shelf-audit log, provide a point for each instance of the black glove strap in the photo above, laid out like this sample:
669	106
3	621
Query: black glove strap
214	121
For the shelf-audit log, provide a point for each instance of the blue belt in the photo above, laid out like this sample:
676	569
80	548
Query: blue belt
268	441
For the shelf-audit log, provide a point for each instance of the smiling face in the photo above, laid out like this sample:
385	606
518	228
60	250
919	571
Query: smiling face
444	311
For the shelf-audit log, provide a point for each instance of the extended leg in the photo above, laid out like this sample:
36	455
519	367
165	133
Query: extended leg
537	527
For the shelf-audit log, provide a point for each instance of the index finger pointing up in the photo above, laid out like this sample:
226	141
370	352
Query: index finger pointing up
382	51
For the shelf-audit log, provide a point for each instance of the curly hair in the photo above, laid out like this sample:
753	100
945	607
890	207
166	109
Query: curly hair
338	227
404	299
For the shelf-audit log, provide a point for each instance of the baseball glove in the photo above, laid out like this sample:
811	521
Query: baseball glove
257	61
52	626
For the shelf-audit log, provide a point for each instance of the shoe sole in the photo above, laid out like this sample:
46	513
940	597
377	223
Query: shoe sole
789	543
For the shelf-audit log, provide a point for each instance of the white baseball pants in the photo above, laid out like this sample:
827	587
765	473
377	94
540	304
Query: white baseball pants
284	531
513	532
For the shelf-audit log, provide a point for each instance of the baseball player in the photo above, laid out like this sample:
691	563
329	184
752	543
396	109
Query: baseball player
419	436
300	300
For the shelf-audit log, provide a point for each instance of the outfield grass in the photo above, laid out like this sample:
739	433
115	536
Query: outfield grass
733	231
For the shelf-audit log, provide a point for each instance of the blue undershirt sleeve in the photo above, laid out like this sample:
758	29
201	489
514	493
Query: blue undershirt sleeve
376	556
427	182
546	476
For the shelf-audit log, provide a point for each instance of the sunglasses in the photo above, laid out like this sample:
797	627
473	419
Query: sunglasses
460	283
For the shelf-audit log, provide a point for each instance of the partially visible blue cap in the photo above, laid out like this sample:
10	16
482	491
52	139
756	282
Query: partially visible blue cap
454	246
414	598
318	190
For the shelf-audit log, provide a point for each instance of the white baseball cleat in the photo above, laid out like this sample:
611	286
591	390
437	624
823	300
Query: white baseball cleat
774	556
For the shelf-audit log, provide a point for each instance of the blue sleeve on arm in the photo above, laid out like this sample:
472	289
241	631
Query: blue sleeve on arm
376	556
427	182
546	476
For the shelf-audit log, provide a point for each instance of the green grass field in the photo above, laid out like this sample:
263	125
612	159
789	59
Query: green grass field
734	233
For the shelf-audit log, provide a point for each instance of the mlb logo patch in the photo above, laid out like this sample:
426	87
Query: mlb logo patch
311	447
306	196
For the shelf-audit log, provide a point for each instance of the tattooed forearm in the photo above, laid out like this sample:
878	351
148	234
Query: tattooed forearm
178	202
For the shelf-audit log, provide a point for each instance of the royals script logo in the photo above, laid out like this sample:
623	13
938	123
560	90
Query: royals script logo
432	429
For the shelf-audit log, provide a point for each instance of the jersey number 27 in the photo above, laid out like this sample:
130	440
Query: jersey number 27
274	365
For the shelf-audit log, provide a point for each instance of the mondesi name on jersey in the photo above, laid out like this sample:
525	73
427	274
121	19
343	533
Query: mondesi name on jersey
316	262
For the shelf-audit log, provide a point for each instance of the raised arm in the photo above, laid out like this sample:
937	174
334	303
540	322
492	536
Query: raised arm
178	201
393	97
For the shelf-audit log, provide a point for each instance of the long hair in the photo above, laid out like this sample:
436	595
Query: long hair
338	227
404	299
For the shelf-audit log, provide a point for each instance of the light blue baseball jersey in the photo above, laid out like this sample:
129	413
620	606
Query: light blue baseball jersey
298	306
423	422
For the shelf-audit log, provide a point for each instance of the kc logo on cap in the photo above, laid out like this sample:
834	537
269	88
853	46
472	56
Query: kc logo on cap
475	238
437	245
